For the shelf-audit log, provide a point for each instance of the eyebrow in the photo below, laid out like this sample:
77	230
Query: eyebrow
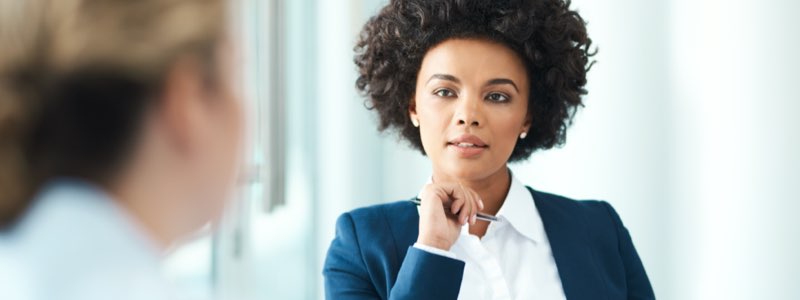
495	81
499	81
447	77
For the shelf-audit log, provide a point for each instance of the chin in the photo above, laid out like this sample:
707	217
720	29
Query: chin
209	207
469	169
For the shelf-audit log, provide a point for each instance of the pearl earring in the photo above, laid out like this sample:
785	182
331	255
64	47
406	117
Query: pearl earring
523	135
415	122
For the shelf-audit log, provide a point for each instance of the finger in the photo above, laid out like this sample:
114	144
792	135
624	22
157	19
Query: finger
480	201
457	204
454	199
475	205
435	195
466	212
475	208
479	206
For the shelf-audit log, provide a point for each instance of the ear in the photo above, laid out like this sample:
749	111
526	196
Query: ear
526	126
412	109
180	104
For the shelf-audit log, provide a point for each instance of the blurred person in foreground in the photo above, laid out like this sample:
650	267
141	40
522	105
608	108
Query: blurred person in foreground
119	135
475	85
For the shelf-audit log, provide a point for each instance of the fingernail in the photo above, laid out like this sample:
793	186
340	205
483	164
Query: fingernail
481	203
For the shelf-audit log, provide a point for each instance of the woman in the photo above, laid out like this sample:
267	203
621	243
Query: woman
475	85
119	135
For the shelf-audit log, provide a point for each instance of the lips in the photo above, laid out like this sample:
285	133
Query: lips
467	140
467	145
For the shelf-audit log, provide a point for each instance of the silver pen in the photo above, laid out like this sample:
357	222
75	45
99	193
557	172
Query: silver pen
479	216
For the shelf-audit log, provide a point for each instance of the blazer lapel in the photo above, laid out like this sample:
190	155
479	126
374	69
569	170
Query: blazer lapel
565	228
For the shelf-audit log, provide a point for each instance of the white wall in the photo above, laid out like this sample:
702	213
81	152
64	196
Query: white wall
736	169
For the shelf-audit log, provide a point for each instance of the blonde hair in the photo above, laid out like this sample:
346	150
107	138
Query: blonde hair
47	42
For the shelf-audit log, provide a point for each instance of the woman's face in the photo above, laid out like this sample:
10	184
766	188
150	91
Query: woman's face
471	102
219	137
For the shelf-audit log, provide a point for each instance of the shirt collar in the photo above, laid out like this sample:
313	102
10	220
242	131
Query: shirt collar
519	210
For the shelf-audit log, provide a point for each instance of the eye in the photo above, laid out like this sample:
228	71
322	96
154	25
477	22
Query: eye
497	97
446	93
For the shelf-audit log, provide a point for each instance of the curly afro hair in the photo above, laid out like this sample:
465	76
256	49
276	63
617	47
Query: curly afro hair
550	38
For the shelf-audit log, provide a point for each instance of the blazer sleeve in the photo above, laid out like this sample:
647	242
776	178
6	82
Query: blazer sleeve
425	275
422	275
638	284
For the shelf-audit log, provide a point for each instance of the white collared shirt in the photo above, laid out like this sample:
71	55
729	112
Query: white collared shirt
74	243
513	260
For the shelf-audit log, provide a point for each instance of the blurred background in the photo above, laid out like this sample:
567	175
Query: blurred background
690	130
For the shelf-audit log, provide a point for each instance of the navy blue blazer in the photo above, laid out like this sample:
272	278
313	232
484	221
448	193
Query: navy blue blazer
372	256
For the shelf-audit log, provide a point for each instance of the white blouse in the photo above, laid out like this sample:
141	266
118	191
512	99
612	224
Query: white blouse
74	243
513	260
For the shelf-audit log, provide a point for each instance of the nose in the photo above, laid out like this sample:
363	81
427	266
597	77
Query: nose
469	112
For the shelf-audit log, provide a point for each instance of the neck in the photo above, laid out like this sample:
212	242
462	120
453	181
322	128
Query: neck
151	204
147	218
492	189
